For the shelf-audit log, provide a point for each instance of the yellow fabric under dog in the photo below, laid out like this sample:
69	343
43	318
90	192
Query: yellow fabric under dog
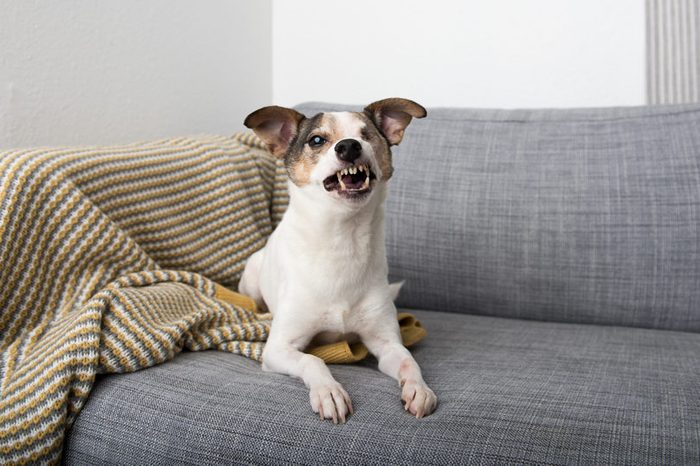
341	352
116	259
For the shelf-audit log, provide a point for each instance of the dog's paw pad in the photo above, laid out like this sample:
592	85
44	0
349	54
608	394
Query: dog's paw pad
331	401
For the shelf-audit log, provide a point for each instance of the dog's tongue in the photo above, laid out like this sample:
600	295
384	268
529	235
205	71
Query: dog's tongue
354	181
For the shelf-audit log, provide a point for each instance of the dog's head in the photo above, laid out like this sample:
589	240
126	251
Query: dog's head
338	154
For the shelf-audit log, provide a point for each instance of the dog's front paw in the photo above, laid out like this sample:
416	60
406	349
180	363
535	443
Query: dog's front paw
330	401
418	398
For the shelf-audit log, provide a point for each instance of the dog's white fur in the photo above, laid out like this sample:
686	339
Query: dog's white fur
323	275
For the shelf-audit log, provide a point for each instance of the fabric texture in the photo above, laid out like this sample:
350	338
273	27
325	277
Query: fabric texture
93	244
589	215
510	392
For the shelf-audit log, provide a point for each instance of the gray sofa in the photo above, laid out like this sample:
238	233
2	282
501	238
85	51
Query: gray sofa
553	256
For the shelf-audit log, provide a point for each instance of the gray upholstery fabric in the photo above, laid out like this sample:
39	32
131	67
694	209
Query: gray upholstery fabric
561	215
511	392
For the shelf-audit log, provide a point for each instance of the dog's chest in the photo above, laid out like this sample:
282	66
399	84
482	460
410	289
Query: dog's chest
325	338
335	268
324	272
337	321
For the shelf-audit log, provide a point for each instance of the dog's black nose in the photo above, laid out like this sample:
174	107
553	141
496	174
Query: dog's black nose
348	149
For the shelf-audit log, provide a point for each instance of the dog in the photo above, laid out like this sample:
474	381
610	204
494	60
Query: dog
323	273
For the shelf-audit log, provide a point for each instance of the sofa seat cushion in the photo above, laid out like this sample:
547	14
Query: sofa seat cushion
510	391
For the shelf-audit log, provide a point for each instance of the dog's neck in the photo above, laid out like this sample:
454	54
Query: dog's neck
328	222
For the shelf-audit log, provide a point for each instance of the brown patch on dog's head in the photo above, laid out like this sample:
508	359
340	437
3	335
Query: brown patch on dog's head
382	152
285	132
300	167
301	157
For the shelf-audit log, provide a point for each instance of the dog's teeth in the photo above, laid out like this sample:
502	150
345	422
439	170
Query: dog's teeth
354	170
366	183
340	179
361	168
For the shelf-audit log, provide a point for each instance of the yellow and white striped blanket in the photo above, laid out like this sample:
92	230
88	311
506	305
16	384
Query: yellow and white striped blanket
116	259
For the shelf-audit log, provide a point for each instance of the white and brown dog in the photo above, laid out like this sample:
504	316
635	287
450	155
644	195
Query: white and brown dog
323	272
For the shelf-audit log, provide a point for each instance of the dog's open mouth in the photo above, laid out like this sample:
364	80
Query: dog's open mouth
350	181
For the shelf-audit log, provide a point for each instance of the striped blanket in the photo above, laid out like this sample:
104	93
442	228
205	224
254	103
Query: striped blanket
116	259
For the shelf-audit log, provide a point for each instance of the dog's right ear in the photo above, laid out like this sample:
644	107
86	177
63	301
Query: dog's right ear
276	126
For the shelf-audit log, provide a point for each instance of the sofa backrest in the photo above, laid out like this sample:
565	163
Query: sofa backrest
586	215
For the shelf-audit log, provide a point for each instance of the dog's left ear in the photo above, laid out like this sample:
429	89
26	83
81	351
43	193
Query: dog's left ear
393	115
276	126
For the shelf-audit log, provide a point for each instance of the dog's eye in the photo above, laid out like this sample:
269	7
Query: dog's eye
316	141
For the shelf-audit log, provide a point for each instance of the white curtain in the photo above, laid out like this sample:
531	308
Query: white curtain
673	51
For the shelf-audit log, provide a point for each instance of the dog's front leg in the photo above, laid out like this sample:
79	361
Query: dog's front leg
283	354
384	342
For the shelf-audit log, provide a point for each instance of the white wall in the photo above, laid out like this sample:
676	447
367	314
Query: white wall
479	53
85	71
